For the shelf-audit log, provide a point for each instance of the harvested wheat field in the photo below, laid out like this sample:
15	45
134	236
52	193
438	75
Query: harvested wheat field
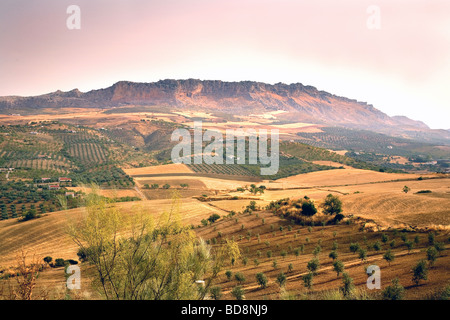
415	185
343	177
162	169
236	205
110	193
331	164
393	210
47	235
425	205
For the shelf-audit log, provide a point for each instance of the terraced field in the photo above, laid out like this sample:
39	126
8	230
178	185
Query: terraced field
256	239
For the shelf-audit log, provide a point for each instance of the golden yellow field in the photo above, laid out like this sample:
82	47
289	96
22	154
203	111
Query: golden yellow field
162	169
342	177
47	235
110	193
236	205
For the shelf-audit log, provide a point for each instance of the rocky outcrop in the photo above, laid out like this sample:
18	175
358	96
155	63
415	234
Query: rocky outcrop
304	103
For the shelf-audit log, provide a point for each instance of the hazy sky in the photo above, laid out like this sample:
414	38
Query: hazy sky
403	68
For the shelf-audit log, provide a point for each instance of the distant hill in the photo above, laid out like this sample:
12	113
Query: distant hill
302	103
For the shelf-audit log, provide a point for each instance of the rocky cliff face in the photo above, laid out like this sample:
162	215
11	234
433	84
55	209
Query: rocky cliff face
304	103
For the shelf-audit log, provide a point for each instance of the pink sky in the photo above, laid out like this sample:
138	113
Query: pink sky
403	68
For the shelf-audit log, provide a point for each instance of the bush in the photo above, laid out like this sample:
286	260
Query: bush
416	239
362	254
216	293
439	246
317	250
335	246
308	280
229	274
48	259
333	255
82	254
338	267
377	246
347	287
354	247
308	208
431	238
239	277
261	279
420	272
275	264
389	256
281	279
332	205
238	293
60	262
432	255
404	237
409	245
29	215
213	218
290	267
313	265
394	291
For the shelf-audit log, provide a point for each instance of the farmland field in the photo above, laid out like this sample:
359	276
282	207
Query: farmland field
47	235
162	169
132	165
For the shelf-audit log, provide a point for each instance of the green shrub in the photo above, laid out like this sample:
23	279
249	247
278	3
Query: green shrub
389	256
239	277
215	292
338	267
261	279
393	292
308	280
432	255
420	272
238	292
313	265
281	279
48	259
60	262
347	285
333	255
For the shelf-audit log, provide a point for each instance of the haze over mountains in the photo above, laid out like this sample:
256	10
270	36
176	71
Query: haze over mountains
301	103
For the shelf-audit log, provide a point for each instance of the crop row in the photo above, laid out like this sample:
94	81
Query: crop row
225	169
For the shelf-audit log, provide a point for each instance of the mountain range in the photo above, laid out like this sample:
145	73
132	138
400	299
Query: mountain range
301	103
